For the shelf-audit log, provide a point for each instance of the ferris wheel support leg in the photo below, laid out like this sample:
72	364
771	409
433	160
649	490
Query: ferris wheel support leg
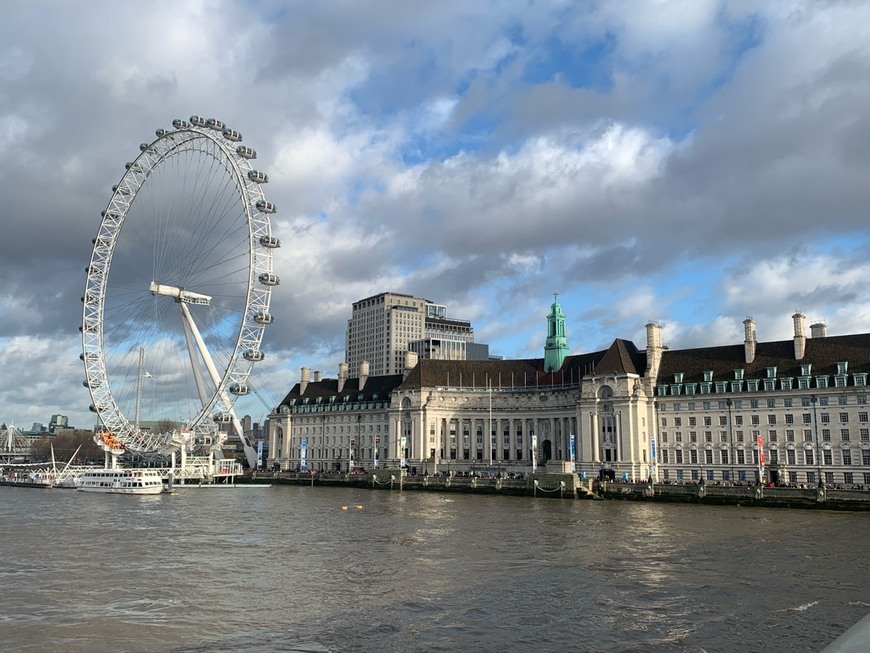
190	325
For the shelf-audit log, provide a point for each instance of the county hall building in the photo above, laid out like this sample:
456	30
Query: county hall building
794	410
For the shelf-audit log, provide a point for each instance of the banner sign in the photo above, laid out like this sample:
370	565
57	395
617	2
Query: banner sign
534	452
303	454
403	442
573	454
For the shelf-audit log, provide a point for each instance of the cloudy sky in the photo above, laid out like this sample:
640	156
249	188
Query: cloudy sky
690	162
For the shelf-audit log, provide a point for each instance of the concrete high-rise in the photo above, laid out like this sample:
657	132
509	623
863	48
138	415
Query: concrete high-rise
384	327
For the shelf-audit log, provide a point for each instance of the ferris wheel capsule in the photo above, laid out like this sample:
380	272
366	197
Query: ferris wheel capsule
239	389
232	135
214	123
265	207
258	177
268	279
270	242
178	123
246	152
196	121
254	355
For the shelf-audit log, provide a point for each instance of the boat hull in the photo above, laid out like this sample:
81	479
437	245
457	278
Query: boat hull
121	481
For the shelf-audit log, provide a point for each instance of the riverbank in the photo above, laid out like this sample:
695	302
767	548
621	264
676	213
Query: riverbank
570	486
768	497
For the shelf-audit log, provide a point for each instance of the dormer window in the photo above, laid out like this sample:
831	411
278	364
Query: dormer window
678	377
806	369
708	376
738	374
771	372
843	367
822	381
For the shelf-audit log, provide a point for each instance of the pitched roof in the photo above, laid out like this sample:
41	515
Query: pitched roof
823	353
623	357
380	386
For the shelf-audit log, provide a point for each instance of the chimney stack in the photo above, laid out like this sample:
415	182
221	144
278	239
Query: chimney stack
411	360
363	374
819	330
653	349
800	338
749	341
304	380
342	375
317	376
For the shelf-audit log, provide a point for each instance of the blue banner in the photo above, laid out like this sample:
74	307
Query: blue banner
303	454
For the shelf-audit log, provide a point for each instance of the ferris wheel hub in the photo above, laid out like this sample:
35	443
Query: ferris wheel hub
180	294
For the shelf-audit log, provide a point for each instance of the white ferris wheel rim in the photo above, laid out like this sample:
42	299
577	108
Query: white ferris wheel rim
206	139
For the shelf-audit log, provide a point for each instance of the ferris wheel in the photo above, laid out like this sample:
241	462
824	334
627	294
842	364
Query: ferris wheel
178	290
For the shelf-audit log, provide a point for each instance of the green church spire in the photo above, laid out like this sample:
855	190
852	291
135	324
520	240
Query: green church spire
556	348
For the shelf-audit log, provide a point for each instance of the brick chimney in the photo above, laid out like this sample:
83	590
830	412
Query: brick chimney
304	379
750	340
800	338
342	375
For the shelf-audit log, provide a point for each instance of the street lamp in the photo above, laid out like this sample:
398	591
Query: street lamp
491	434
729	403
818	444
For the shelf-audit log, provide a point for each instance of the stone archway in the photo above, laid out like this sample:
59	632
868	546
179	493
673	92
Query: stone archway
546	451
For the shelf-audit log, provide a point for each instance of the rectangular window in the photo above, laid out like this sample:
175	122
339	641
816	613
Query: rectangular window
826	435
862	417
665	456
865	435
789	456
708	456
771	420
826	456
808	456
753	403
847	457
789	419
842	400
693	456
789	435
723	420
826	418
678	455
844	418
788	403
845	436
771	436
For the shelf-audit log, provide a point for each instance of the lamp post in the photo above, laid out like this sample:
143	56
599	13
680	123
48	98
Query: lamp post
818	444
729	403
491	434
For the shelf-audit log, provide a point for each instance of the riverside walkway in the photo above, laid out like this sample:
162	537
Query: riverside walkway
570	486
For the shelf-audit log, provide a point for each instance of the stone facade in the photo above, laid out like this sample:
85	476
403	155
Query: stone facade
681	415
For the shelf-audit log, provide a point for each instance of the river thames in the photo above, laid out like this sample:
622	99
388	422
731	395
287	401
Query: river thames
321	569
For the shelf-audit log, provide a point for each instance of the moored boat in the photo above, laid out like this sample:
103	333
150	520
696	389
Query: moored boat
122	481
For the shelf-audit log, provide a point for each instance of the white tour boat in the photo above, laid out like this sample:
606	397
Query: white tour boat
122	481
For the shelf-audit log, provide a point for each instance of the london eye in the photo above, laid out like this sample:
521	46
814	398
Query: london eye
178	293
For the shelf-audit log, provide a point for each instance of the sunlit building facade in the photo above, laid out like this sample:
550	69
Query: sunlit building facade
794	411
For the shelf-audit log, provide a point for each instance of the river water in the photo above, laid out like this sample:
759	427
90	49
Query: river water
344	570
